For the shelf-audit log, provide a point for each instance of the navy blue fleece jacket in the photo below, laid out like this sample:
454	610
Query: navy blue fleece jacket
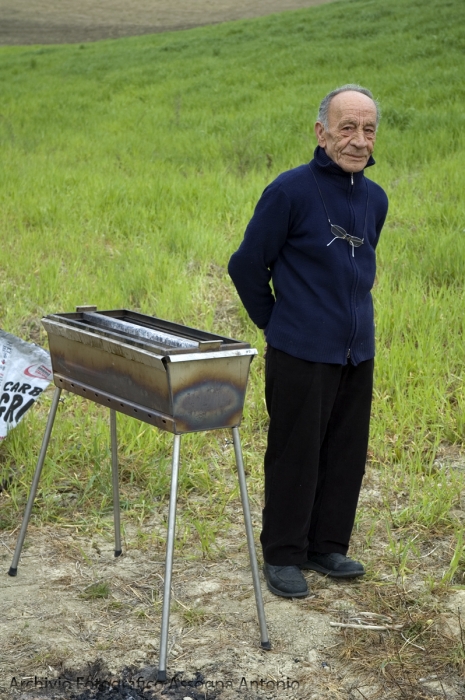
319	307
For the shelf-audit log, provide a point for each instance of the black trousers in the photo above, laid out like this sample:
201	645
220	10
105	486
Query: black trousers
316	454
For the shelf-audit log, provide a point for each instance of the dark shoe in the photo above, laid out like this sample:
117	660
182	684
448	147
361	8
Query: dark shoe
334	564
286	581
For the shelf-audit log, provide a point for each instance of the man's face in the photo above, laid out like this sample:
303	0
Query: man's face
351	134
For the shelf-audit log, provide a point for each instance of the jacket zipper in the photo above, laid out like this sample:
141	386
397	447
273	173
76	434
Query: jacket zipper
356	281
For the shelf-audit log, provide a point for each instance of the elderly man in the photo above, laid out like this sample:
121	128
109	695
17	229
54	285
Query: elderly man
313	235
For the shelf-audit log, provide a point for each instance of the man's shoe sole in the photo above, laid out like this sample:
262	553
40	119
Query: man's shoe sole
276	591
284	594
312	566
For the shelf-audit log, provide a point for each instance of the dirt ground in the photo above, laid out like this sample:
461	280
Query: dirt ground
54	633
76	623
76	21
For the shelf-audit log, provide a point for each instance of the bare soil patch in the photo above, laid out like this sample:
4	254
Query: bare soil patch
62	638
76	623
76	21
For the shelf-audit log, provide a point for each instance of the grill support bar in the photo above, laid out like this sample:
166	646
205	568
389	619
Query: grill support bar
165	617
265	644
35	482
115	482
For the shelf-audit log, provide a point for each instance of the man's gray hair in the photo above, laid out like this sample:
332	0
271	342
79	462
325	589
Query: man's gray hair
326	101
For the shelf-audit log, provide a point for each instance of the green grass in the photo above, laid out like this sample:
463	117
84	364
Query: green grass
129	171
100	589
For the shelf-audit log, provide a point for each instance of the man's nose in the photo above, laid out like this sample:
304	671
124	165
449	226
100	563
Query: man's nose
359	139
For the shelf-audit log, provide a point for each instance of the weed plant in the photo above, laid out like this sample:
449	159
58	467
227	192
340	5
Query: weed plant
129	171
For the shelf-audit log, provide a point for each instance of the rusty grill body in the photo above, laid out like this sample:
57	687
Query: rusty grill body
174	377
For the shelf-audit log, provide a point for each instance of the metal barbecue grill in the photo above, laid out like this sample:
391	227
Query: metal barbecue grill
176	378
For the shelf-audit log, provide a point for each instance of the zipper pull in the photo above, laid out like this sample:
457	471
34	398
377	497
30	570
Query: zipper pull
351	178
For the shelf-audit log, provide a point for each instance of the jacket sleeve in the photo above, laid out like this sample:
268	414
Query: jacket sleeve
251	266
381	216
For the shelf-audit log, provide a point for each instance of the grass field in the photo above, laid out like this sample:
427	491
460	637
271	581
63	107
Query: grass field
129	171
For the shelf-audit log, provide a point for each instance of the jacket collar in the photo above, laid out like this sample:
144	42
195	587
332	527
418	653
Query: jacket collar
328	165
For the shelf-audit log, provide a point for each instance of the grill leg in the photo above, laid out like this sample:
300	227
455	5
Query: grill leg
165	618
114	475
265	643
35	482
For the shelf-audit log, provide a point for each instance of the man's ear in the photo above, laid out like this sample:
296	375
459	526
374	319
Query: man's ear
320	134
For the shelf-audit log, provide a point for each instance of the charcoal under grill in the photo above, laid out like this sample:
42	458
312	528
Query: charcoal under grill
176	378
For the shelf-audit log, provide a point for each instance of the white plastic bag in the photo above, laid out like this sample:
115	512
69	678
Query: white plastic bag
25	371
